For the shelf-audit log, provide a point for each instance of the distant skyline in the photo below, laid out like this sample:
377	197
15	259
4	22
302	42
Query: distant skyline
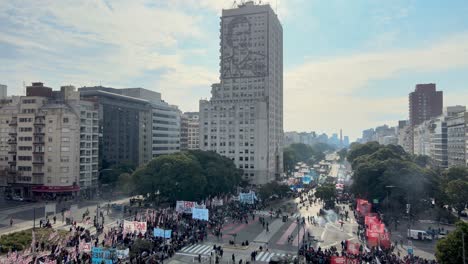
347	64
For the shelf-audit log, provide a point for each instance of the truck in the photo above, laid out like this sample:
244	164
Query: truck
418	235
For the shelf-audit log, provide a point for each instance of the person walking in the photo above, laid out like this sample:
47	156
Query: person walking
11	221
233	258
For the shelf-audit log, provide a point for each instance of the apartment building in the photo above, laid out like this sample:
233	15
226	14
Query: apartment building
190	131
457	127
45	143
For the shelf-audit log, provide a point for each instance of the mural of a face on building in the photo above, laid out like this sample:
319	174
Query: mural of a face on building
239	59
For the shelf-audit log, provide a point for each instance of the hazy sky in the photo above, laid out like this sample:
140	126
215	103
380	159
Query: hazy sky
347	64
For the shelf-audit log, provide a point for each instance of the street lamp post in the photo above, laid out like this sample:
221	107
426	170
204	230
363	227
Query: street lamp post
389	187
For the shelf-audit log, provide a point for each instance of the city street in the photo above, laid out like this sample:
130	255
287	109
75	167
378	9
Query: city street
325	234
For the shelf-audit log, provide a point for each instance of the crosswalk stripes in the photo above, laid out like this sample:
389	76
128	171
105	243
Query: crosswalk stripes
266	256
198	249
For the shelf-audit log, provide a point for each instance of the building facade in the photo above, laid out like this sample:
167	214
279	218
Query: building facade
124	126
190	131
457	139
424	103
422	137
243	120
45	143
155	130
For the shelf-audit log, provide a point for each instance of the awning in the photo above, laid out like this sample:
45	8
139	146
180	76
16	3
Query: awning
56	189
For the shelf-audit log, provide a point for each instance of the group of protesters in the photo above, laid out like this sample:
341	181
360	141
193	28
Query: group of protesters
185	231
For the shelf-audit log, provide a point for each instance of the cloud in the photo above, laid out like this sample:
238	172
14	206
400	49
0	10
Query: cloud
328	93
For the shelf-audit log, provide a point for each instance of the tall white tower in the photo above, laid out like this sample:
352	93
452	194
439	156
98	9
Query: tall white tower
243	120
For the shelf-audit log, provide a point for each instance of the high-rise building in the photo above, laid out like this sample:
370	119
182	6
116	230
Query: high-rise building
424	103
190	131
155	131
53	145
243	120
124	126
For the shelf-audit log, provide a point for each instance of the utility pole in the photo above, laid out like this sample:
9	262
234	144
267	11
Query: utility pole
463	247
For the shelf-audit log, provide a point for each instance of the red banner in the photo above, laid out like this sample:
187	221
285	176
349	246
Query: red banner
363	206
379	228
338	260
353	248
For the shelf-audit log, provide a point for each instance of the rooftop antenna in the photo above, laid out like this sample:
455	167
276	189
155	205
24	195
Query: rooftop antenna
24	88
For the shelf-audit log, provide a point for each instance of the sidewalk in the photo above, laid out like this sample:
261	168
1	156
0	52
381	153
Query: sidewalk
19	225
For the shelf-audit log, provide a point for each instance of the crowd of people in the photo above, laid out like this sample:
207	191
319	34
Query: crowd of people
144	247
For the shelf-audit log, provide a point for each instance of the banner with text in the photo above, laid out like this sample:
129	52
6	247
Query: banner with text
201	214
187	206
158	232
248	198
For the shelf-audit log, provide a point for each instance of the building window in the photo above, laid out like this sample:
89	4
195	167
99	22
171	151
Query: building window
65	120
64	169
65	139
64	159
65	149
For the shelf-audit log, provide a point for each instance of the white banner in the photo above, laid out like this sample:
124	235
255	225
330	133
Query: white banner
217	202
186	206
128	227
140	227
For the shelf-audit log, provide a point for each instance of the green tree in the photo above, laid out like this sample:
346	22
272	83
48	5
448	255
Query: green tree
269	189
356	150
289	159
449	250
190	175
342	153
327	193
110	175
457	192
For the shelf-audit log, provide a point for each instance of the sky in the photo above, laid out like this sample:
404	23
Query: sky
347	64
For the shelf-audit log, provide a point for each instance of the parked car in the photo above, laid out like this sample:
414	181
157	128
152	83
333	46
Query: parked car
18	198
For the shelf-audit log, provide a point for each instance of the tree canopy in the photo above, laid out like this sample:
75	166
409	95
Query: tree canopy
449	250
189	175
388	171
299	152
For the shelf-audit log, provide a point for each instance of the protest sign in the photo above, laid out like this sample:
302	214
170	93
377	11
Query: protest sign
201	214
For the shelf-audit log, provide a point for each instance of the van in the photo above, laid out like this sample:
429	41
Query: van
418	235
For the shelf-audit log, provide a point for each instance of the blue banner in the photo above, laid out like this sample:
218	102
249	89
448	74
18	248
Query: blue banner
100	255
306	179
158	232
201	214
248	198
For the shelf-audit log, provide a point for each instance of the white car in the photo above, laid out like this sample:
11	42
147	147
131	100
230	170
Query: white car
18	198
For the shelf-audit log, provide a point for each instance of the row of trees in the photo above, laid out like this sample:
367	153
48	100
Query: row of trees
187	175
389	174
299	152
382	172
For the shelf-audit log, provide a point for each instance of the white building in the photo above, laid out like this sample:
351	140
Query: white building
457	127
190	131
44	155
422	136
165	121
243	120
